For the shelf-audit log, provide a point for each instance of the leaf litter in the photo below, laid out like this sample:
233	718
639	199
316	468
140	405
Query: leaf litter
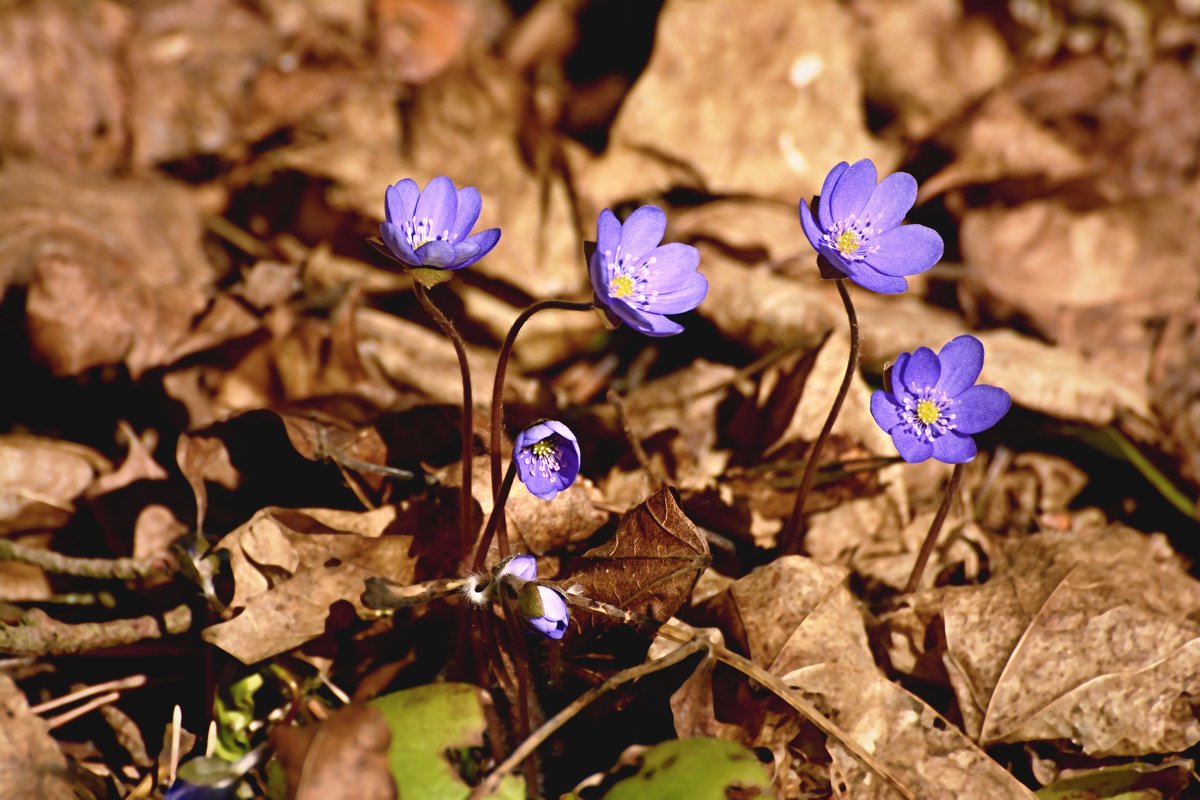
226	413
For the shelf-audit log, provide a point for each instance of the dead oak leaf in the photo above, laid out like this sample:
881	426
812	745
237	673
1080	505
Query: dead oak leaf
40	479
31	765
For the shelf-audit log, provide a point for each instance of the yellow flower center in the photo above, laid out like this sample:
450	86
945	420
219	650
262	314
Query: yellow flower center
542	449
928	411
847	242
621	286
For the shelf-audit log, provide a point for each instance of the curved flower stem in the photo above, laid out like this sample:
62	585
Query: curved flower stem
495	519
468	432
791	533
498	399
931	538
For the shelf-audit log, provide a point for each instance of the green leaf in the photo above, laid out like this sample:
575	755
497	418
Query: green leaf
434	729
698	769
1124	782
234	715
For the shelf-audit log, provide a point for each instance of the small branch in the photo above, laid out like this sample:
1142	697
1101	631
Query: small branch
790	541
639	452
468	411
914	579
86	708
496	518
40	635
382	594
131	682
125	569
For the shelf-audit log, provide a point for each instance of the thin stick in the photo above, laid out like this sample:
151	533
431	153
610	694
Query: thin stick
791	533
38	634
548	728
498	394
130	682
75	713
176	730
496	519
914	579
639	452
468	432
125	569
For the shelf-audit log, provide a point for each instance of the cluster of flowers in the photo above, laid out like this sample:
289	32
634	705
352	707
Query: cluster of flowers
931	405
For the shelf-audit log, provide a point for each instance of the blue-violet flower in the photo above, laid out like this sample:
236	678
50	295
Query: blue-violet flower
544	609
934	404
636	280
547	458
858	230
523	567
430	228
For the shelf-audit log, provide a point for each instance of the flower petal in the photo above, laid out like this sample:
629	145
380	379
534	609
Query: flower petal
868	278
824	215
439	204
921	370
533	434
397	242
885	410
644	322
911	448
853	190
899	390
608	232
598	272
906	250
469	206
953	447
522	566
962	361
642	232
401	200
562	430
890	201
437	254
674	279
979	408
554	607
809	225
473	248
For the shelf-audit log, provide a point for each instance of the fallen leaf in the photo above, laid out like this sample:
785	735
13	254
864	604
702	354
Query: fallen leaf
699	769
346	754
1135	781
139	463
31	765
40	479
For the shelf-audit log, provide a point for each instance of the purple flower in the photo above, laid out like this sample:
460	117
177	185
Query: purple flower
544	609
858	228
523	567
934	406
636	280
429	228
547	458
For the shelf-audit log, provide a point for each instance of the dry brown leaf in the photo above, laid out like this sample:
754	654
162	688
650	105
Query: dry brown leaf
741	117
418	39
202	459
548	338
139	463
31	765
1085	636
115	268
345	755
290	566
24	583
61	83
40	480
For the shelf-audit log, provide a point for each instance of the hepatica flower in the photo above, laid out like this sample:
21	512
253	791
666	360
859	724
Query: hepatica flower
430	228
636	280
934	405
547	458
544	609
858	230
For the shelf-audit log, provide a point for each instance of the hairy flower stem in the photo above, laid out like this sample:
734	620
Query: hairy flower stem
791	533
495	520
918	569
468	432
498	404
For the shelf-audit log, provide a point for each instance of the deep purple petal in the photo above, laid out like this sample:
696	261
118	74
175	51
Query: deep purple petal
906	250
397	242
401	200
469	206
853	190
554	607
922	370
439	204
684	297
824	216
562	430
962	360
868	278
890	201
979	408
608	232
523	567
644	322
885	410
473	248
953	447
543	487
642	232
674	277
568	460
598	273
809	225
533	434
437	253
899	390
911	448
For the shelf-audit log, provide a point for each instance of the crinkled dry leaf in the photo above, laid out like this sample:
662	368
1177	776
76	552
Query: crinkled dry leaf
290	566
139	463
1085	636
31	764
343	756
202	459
760	117
41	478
650	565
